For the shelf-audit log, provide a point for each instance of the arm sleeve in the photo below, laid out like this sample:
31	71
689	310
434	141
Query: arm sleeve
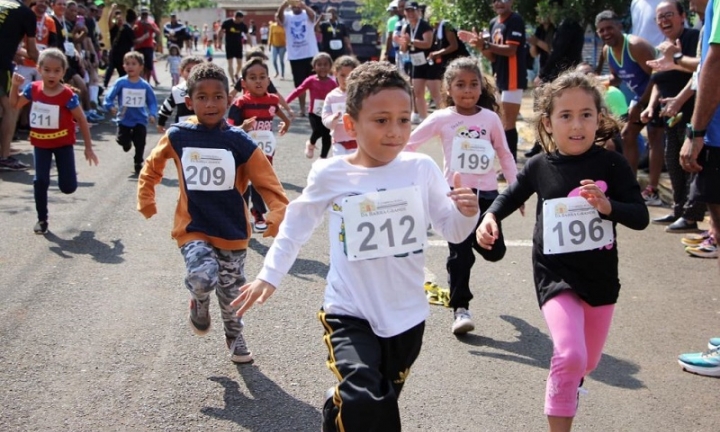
303	216
166	110
628	206
515	31
30	24
302	88
151	100
111	95
235	114
73	102
327	114
515	195
423	133
151	175
500	144
444	215
27	91
265	182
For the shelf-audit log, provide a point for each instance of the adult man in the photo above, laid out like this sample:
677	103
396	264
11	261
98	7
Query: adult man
145	32
175	32
45	36
19	21
701	154
397	14
627	58
335	36
505	49
122	39
299	24
234	30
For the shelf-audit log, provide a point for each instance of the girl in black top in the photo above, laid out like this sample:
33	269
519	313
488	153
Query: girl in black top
583	191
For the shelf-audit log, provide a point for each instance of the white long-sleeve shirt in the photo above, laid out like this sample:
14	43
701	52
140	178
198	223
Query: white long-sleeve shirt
333	99
387	292
448	124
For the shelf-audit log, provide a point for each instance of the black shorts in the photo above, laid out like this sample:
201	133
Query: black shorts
5	82
301	69
426	72
706	186
233	51
148	58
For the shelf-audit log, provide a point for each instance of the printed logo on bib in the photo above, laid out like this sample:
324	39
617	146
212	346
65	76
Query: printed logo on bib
44	116
318	107
338	107
264	139
133	98
382	224
208	169
472	155
336	44
69	49
573	225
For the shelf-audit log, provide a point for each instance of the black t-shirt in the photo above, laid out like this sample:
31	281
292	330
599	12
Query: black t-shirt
566	52
510	72
671	82
122	42
233	31
16	22
591	274
333	32
545	35
416	34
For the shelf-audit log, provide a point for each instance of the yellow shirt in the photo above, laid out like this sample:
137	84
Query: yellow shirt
277	35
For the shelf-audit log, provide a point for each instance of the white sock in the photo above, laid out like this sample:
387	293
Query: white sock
94	91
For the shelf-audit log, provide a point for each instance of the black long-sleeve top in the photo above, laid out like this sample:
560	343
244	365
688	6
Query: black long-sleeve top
592	274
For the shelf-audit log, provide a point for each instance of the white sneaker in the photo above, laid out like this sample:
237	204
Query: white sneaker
415	118
463	322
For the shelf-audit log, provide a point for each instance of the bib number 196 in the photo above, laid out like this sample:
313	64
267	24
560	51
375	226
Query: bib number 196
573	225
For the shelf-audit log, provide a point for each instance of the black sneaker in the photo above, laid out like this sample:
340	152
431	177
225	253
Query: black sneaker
682	225
200	316
41	227
537	148
11	164
126	147
665	220
239	352
138	168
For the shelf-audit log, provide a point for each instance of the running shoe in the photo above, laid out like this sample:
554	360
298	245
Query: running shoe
199	316
706	364
695	239
309	149
260	225
40	227
714	343
463	322
651	197
239	352
11	164
682	225
665	220
706	249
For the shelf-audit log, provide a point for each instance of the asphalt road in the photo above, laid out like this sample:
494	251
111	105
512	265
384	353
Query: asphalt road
94	337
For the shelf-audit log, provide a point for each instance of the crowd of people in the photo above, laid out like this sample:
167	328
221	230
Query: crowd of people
584	173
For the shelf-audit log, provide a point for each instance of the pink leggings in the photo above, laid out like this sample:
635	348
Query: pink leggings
578	331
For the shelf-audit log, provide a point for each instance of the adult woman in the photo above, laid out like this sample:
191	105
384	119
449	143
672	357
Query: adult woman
416	38
276	42
670	16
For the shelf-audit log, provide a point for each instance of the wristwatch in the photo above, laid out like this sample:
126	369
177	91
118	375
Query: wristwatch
677	57
692	133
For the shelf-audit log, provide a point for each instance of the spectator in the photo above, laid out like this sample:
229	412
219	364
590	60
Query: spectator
299	24
277	47
252	34
264	33
20	22
145	32
335	36
397	14
122	39
175	32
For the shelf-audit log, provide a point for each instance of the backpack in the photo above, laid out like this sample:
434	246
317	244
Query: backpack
462	50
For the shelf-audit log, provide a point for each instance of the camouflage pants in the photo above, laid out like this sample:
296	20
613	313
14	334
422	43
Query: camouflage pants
210	268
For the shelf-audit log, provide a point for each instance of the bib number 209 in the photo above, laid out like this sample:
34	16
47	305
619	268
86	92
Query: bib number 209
203	176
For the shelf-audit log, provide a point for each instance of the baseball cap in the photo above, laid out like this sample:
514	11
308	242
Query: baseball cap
144	10
393	5
412	5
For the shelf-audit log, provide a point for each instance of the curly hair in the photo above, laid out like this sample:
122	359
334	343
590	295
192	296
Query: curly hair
255	61
206	71
345	61
487	98
193	60
369	79
608	126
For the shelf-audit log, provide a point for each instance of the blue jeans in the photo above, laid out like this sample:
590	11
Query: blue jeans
279	52
67	177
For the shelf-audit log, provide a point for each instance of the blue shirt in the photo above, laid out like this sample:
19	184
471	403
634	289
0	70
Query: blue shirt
712	36
131	116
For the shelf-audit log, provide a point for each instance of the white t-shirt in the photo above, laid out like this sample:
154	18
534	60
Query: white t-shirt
388	291
300	34
644	25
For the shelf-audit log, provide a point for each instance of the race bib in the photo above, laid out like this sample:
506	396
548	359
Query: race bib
208	169
318	106
573	225
44	116
265	140
381	224
183	118
336	44
418	59
338	107
472	156
41	47
69	49
133	98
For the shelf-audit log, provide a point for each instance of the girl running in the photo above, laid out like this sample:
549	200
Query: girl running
319	86
334	107
472	134
173	63
583	191
52	130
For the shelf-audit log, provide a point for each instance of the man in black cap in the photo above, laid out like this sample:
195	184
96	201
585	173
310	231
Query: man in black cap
175	32
234	30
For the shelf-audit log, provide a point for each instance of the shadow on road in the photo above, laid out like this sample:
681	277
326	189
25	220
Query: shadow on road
292	187
85	243
302	267
268	408
534	348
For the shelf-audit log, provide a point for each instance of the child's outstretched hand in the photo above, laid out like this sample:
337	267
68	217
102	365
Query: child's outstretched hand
256	291
17	79
487	232
283	128
595	196
465	200
248	124
91	157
